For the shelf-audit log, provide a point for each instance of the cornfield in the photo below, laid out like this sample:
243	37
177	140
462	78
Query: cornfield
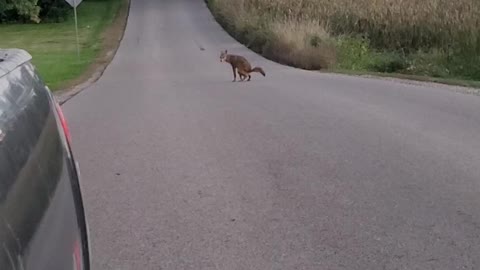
451	27
409	24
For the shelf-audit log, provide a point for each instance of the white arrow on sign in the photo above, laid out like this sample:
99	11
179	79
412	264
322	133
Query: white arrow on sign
74	3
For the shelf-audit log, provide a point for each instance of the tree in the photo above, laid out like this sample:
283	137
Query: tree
53	10
19	10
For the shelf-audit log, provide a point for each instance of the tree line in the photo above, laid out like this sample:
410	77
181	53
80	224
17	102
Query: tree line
33	11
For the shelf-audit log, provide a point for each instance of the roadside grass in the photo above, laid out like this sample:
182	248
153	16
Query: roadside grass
474	85
436	39
53	45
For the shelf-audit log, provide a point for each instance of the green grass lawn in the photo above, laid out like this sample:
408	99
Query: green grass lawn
53	45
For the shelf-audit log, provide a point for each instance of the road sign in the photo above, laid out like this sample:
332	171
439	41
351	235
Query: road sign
74	3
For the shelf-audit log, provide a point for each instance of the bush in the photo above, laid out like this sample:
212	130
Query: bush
53	10
388	62
353	53
24	11
19	10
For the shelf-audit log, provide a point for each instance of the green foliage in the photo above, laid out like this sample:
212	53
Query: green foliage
437	63
353	53
388	62
53	10
24	11
53	45
19	10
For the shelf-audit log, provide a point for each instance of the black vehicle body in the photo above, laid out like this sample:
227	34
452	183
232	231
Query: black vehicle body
42	220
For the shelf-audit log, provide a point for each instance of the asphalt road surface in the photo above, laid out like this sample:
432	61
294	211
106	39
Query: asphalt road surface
183	169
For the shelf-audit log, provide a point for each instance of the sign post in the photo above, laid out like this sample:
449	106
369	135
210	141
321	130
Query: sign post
74	4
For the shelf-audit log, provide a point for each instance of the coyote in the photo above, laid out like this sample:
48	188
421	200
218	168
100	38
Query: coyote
241	65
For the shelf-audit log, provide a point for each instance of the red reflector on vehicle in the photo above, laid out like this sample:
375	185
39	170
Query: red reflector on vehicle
77	256
64	123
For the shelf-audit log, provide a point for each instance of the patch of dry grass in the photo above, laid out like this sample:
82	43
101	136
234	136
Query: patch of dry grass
296	42
301	44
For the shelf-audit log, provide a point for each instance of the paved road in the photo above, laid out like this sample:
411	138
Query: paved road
184	169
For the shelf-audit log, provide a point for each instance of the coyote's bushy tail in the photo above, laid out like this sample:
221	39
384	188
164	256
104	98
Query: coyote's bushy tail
259	70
